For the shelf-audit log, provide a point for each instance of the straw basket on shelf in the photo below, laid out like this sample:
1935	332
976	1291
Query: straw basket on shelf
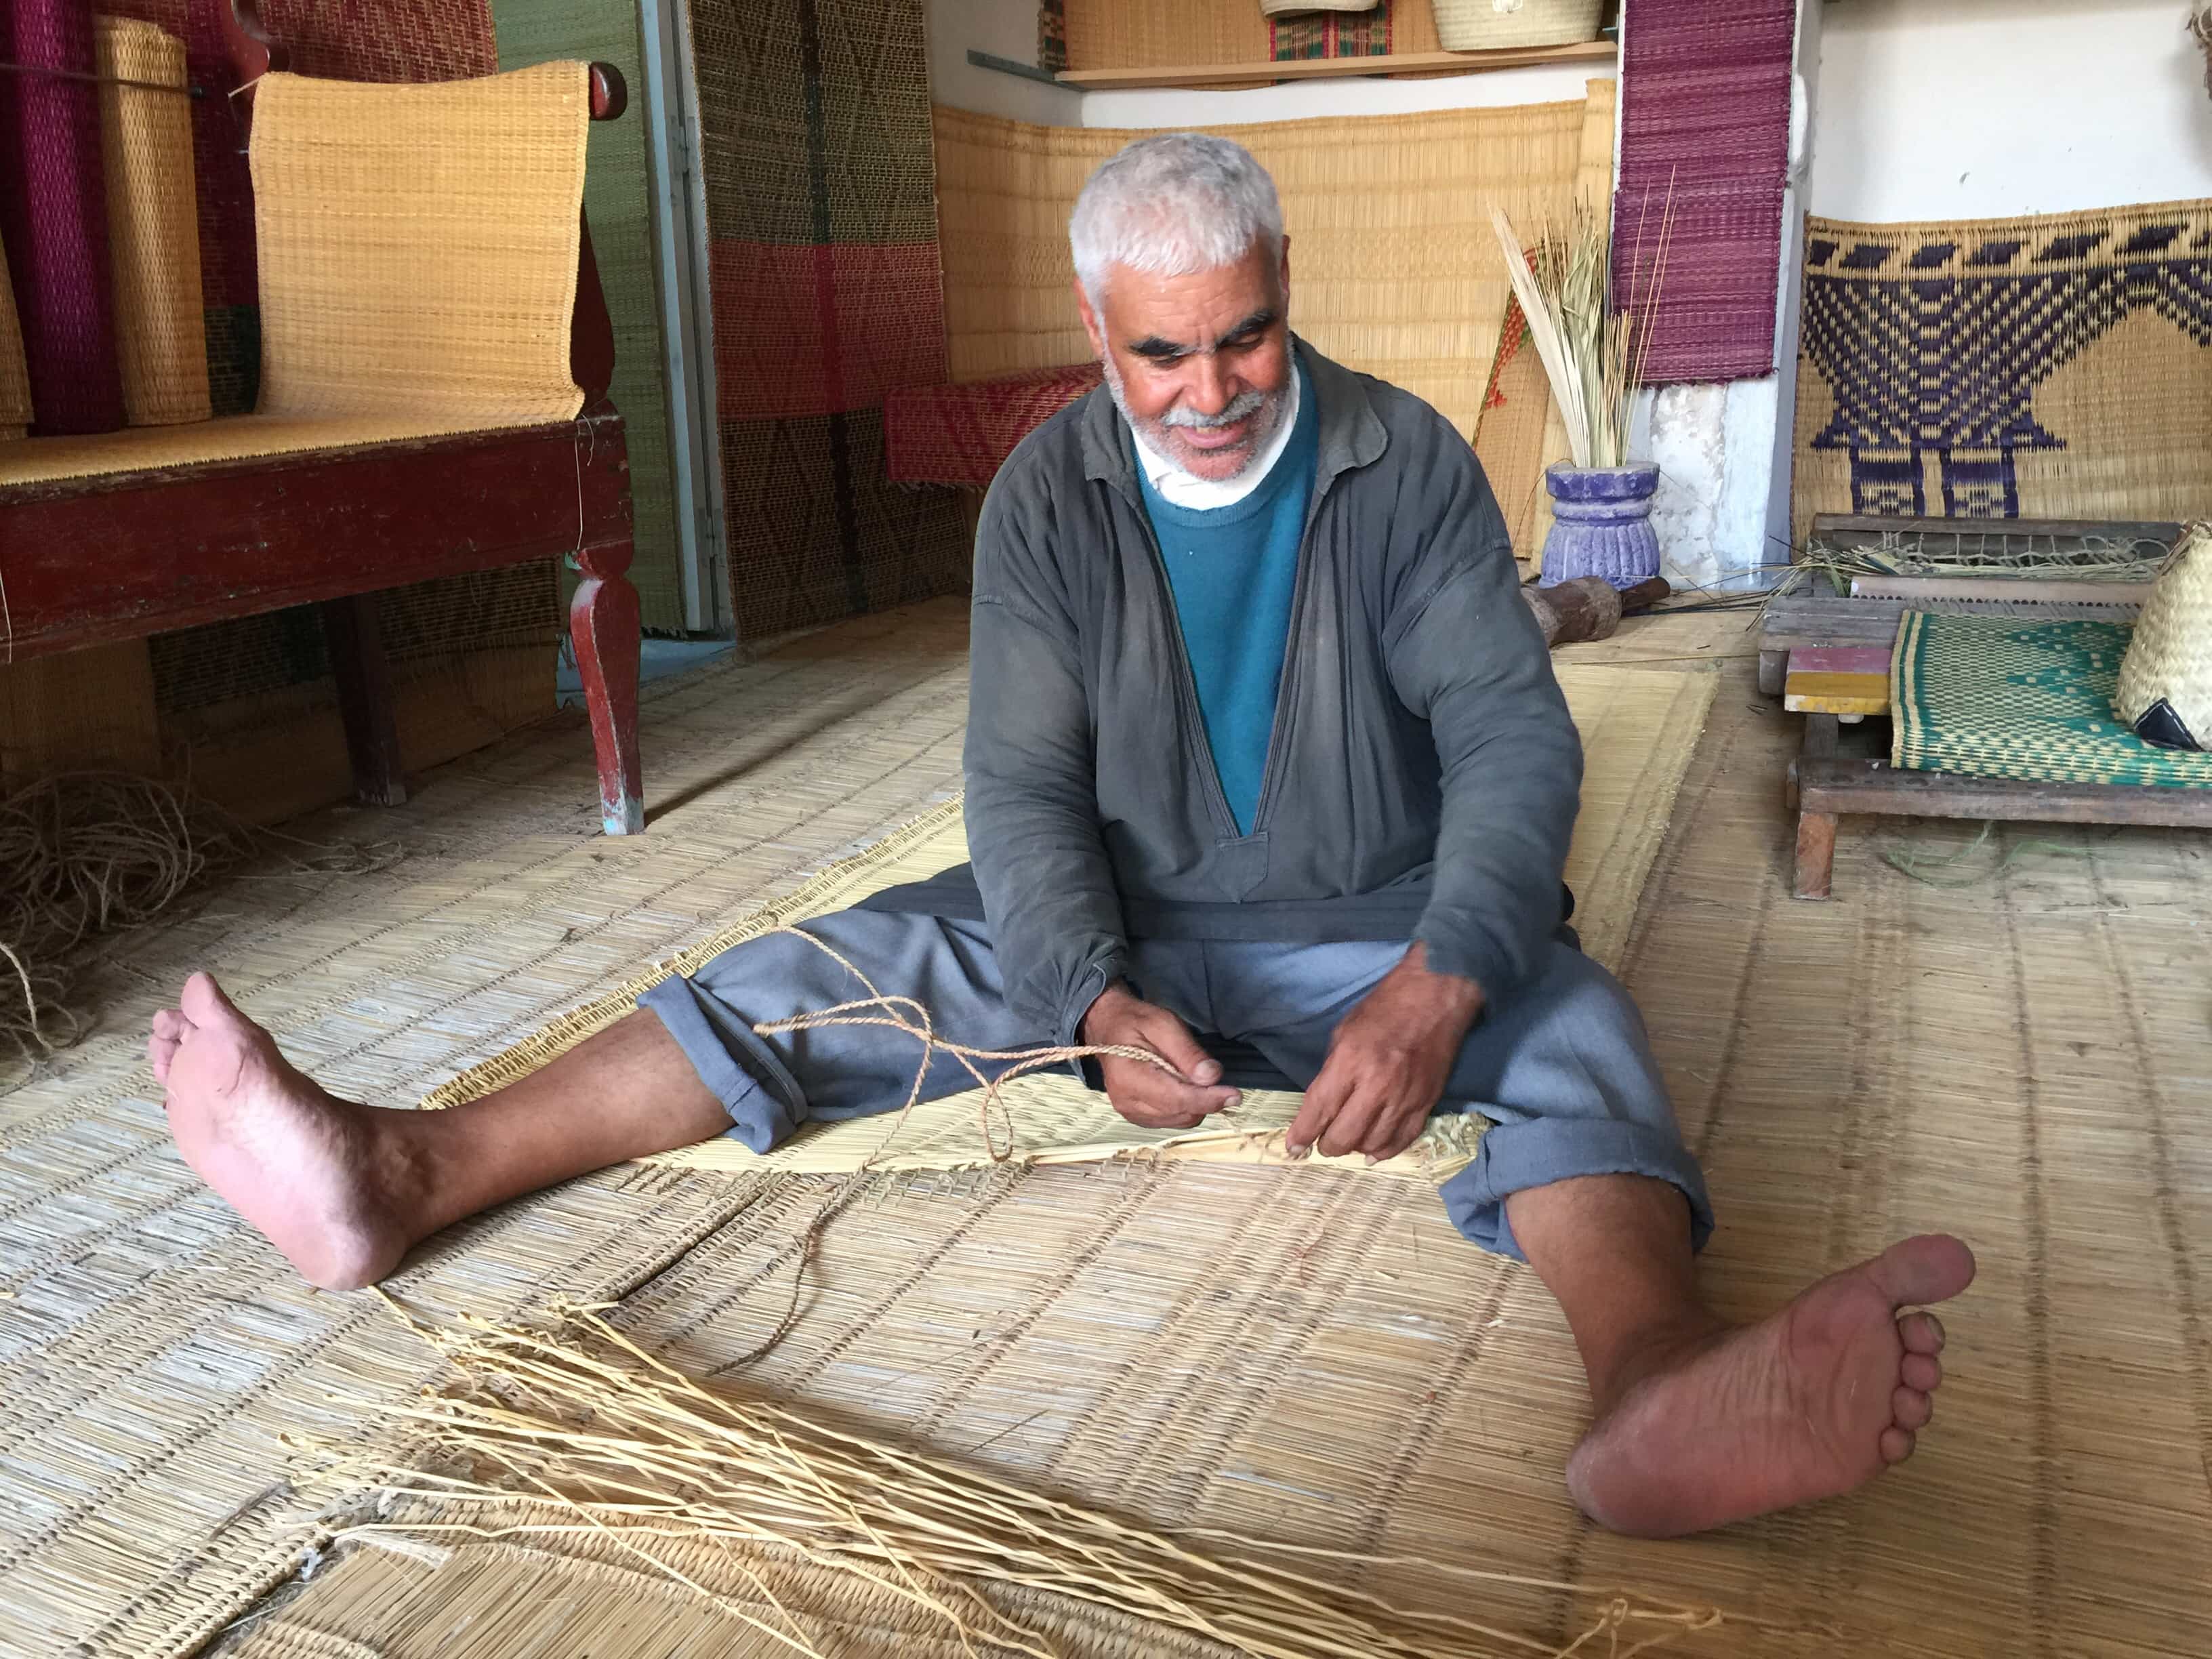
2164	692
1286	8
1488	24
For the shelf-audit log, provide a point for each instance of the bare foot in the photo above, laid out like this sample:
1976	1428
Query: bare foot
308	1169
1813	1402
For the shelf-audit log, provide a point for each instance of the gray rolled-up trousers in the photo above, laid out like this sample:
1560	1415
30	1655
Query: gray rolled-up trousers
1561	1067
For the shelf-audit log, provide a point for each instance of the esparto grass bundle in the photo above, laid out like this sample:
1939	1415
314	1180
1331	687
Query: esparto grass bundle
610	1440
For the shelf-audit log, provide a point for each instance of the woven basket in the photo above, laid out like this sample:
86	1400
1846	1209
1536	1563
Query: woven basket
2164	692
1287	8
1487	25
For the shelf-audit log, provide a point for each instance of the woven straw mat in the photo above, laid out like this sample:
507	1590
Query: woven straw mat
2170	654
14	379
417	249
1397	272
152	225
1315	1359
2049	367
2007	697
1637	734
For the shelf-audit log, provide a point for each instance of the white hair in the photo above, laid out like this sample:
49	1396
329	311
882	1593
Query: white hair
1173	205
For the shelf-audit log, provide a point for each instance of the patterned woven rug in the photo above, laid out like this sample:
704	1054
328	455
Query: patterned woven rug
2049	367
1986	697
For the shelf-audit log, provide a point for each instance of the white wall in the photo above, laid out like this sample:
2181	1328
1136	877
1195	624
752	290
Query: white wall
1371	95
1005	29
1939	109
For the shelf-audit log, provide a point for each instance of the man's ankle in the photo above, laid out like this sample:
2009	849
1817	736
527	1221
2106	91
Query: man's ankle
1648	1350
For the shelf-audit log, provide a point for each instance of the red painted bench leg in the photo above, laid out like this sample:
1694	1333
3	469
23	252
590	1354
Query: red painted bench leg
603	623
366	703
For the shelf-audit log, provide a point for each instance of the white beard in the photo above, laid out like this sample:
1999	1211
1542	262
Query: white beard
1154	434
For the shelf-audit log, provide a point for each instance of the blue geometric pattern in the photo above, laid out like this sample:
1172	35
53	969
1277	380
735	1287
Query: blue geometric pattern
1934	342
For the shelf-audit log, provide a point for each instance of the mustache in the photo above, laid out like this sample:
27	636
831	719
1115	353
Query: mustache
1242	406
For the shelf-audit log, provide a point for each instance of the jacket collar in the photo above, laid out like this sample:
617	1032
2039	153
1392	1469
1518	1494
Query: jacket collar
1351	433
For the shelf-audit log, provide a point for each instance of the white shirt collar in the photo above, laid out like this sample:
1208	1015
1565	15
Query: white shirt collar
1194	495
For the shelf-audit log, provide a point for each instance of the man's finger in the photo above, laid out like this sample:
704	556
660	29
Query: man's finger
1393	1131
1170	1038
1348	1130
1325	1098
1147	1096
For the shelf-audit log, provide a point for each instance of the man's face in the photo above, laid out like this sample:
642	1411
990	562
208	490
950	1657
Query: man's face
1200	365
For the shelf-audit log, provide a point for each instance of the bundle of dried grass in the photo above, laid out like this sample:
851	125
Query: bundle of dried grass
1593	353
623	1446
83	854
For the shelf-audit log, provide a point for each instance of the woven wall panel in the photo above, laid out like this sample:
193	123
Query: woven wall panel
2053	366
817	532
1705	125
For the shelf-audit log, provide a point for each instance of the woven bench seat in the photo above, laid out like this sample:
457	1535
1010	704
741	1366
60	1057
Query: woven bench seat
961	434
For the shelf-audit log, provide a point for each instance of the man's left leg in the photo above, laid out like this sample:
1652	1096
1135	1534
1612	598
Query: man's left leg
1584	1175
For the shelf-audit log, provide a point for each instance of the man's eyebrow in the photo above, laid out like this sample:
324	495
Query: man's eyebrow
1153	345
1258	323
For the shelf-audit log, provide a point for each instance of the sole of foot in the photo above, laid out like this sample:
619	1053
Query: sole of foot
1807	1404
308	1170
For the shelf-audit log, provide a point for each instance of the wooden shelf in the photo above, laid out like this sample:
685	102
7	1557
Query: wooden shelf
1328	68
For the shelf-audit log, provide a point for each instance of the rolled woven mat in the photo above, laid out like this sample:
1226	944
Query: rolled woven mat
53	216
15	379
153	224
2164	692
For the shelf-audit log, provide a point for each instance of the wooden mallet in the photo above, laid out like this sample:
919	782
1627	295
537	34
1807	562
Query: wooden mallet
1589	607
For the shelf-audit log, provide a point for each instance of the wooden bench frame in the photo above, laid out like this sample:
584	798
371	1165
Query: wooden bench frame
1823	785
99	560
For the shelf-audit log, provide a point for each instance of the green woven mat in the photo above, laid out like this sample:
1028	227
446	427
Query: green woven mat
1993	697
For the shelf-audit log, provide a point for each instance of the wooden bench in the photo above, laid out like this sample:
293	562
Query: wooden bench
1827	655
113	556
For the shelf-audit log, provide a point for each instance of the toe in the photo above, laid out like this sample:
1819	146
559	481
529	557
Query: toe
1921	1333
1933	1267
1923	1371
202	1000
1910	1408
170	1024
1896	1444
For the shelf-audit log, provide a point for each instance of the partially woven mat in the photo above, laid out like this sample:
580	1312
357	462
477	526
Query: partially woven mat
1396	270
153	224
1996	697
1637	734
961	434
2049	367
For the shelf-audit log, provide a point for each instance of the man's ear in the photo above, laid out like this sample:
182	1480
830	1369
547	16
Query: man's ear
1091	326
1283	277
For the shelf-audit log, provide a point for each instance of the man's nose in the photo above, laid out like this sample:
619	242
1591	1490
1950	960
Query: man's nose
1206	388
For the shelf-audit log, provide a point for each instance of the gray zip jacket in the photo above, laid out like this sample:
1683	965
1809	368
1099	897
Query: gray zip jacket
1422	776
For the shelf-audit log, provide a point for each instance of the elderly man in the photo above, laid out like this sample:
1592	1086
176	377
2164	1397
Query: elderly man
1265	766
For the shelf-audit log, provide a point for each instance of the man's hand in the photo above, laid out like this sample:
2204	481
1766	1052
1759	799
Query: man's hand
1142	1092
1387	1062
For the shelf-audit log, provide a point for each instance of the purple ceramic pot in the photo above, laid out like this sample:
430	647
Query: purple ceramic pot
1601	524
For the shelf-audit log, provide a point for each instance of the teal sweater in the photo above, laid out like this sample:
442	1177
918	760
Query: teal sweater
1233	571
